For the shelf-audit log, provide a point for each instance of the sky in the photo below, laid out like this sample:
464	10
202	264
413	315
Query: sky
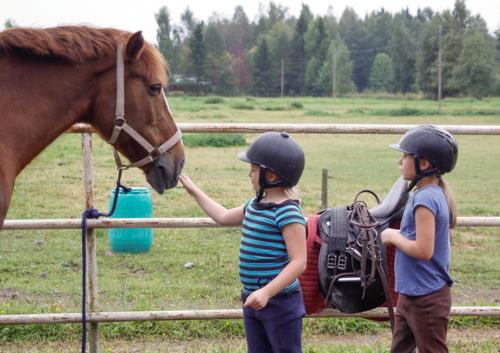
133	15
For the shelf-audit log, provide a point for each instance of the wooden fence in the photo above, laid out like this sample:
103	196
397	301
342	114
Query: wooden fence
94	316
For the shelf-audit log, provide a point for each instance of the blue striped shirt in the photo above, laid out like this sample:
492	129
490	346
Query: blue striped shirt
263	252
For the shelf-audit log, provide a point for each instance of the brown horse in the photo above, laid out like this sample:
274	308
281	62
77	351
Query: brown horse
53	78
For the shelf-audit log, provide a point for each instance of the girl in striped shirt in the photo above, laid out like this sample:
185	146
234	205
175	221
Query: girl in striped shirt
272	246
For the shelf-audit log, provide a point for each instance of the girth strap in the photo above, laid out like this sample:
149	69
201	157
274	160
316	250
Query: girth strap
338	229
337	241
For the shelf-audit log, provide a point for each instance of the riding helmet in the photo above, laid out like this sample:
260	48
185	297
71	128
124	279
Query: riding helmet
432	143
278	152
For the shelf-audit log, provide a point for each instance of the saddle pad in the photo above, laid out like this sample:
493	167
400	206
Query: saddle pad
390	255
309	279
314	301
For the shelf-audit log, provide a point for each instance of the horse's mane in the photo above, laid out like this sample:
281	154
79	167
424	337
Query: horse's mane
76	44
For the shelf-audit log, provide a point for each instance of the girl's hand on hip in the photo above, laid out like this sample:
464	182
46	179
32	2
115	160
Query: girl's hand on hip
257	300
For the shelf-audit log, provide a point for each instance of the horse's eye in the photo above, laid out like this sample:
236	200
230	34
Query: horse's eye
155	89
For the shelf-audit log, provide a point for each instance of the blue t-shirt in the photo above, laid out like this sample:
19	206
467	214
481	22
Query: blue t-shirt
420	277
263	252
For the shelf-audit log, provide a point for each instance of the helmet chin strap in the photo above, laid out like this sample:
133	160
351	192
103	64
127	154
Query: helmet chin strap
419	174
264	184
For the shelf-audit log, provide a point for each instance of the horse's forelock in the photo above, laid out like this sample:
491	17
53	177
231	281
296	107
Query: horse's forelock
155	64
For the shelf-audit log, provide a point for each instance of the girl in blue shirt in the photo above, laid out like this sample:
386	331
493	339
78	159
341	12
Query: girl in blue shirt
272	246
422	244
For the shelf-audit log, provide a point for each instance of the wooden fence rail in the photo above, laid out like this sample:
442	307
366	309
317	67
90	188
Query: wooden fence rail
220	314
316	128
70	223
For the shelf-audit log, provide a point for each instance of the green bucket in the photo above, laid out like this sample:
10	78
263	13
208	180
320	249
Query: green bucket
133	204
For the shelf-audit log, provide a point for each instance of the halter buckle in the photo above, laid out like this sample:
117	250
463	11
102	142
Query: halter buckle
155	154
119	121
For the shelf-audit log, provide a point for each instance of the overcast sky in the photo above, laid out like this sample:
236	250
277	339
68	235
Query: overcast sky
140	15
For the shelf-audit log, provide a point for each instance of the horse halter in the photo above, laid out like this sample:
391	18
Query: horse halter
120	124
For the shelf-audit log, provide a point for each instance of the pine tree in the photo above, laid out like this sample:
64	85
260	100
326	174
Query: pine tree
218	71
473	73
497	33
427	61
237	40
381	73
262	80
344	68
297	57
10	23
317	41
403	56
279	40
165	44
198	53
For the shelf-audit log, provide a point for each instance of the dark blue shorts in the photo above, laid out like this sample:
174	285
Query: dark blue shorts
278	327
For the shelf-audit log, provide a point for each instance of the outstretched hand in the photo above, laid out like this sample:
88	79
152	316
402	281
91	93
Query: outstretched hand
188	184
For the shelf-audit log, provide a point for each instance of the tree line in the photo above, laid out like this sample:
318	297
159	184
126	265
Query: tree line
278	54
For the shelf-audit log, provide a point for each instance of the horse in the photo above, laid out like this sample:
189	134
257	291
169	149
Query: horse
52	78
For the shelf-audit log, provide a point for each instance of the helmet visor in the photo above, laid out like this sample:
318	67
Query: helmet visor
397	147
243	157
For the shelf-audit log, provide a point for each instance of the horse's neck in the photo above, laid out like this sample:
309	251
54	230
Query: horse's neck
41	101
6	186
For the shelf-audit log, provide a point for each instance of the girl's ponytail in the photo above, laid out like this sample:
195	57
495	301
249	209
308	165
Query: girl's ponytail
451	201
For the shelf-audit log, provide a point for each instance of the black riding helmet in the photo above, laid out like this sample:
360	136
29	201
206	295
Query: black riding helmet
279	153
432	143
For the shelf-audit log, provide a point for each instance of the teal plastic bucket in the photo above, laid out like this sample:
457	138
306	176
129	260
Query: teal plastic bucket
134	204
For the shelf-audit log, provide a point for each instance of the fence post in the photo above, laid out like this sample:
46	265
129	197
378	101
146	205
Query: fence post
324	189
91	242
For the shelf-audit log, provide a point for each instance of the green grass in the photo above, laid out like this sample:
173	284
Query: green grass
40	271
213	140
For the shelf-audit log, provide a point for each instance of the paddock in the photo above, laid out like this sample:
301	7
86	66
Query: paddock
96	316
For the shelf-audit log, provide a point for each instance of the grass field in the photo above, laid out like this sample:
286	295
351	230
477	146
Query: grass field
40	271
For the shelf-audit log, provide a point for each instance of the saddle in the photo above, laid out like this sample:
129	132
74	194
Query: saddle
351	263
346	262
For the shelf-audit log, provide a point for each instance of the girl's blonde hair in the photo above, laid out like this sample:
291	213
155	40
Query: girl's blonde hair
450	198
292	193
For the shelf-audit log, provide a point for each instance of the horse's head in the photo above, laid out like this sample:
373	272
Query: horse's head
143	128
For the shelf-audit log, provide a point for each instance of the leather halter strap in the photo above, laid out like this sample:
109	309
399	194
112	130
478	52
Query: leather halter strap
120	123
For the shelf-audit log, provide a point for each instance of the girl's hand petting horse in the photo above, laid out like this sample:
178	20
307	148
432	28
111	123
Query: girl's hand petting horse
190	187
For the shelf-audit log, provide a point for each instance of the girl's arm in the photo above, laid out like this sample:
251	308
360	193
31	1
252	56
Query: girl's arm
212	208
422	247
295	240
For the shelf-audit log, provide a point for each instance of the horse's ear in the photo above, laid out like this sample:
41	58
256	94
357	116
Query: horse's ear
135	45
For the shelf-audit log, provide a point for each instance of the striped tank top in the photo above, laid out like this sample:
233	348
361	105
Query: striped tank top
263	252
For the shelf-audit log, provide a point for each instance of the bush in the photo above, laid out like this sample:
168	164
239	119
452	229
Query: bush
412	112
242	106
214	100
274	109
213	140
176	94
297	105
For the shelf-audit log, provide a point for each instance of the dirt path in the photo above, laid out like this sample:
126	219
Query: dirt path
459	337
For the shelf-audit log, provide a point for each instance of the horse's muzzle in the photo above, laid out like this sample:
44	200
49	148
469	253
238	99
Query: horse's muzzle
164	173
